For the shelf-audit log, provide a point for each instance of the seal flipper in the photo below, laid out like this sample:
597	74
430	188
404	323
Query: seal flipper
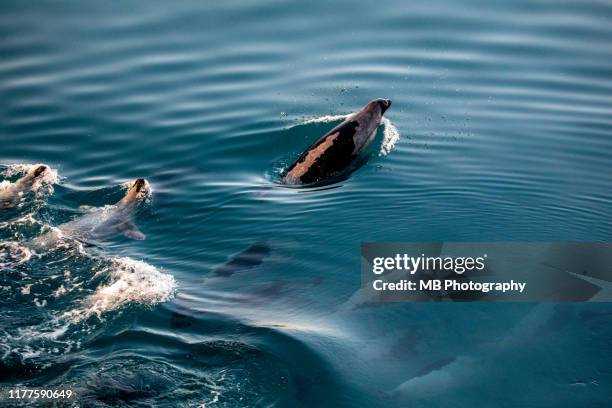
131	231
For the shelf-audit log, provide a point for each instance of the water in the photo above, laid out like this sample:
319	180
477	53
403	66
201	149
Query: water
504	116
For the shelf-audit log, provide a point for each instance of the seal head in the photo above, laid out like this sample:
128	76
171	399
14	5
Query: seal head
33	174
137	192
39	170
11	194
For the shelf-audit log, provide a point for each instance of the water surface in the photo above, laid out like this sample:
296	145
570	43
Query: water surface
504	117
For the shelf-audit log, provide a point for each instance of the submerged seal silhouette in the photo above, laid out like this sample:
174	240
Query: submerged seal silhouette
337	149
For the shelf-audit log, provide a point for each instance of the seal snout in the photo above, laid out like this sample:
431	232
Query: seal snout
39	170
384	105
139	184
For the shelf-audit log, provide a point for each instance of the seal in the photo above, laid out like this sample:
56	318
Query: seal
335	151
102	223
10	196
122	219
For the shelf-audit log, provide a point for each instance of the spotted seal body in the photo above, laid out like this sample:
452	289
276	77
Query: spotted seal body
338	148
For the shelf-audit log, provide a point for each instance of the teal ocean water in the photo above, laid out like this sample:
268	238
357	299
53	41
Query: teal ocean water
244	293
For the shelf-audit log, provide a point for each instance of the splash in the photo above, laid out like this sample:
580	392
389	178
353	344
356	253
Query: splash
115	284
130	281
324	119
390	137
13	254
56	239
81	287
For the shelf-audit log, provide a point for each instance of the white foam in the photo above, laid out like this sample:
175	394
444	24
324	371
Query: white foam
59	291
131	281
324	119
54	238
49	177
28	219
40	303
13	254
21	341
9	193
390	137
